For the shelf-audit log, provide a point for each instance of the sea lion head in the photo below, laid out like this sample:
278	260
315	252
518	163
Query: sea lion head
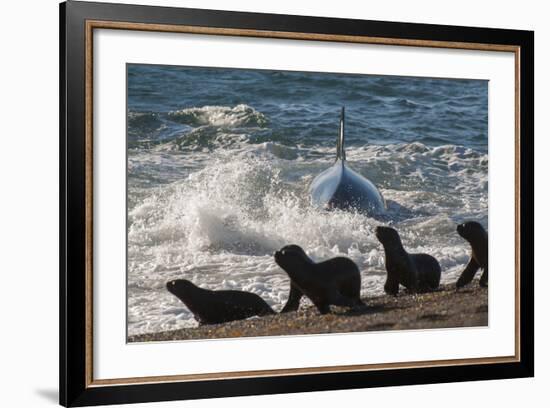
470	230
180	288
387	235
291	257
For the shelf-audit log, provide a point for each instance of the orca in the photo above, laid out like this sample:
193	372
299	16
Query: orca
340	187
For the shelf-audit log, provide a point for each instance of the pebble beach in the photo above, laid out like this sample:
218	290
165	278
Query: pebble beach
445	308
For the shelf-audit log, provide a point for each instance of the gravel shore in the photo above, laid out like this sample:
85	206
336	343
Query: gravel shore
442	309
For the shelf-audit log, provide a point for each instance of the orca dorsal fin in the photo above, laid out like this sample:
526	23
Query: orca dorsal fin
340	150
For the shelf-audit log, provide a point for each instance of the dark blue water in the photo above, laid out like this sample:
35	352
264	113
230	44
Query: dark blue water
302	108
220	162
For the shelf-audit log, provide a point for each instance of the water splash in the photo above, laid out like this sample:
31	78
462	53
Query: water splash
220	224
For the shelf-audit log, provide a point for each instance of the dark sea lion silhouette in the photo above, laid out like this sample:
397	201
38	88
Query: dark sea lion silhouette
475	234
341	187
417	272
336	281
218	306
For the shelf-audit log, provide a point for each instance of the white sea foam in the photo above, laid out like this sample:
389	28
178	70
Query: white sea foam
220	116
219	222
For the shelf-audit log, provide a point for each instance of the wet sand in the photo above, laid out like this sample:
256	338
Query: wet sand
445	308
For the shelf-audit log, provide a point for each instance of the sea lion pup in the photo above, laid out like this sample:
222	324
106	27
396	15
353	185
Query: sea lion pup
417	272
475	234
336	281
218	306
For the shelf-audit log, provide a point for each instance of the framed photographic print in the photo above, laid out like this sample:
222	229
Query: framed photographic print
255	203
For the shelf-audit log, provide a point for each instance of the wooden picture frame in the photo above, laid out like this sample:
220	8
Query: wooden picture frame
78	20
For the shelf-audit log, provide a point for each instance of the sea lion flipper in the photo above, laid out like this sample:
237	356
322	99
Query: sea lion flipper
468	273
266	310
323	308
484	281
294	297
391	287
338	299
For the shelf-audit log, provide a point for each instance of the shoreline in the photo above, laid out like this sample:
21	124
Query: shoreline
445	308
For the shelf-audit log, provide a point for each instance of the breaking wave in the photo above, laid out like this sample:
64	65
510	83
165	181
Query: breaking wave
221	116
220	225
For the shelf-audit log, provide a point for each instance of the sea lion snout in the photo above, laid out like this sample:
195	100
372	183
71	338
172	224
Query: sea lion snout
469	229
287	253
386	234
282	258
291	258
278	256
178	286
171	285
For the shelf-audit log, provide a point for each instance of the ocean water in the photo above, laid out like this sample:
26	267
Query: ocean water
220	161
